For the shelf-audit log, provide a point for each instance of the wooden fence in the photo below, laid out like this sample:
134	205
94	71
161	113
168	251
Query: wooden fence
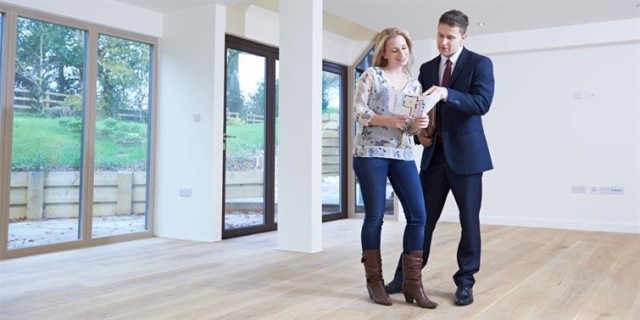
51	99
40	195
330	145
248	118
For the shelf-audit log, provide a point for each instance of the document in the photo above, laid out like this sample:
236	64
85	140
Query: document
428	102
412	106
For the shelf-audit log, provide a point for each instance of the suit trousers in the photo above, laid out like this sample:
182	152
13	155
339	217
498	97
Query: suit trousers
437	180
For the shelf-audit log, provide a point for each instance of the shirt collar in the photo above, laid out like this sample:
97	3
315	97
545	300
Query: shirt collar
454	57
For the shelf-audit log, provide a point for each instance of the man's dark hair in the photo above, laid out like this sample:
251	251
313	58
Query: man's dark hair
455	18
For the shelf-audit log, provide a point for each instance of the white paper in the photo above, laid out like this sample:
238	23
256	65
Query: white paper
401	104
428	102
412	106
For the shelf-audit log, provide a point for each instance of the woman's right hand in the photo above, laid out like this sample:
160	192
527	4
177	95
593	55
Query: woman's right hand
399	122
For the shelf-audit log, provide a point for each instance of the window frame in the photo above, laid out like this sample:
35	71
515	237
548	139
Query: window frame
92	31
343	71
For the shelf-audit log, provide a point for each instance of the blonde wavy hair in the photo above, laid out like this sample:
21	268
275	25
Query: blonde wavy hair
380	42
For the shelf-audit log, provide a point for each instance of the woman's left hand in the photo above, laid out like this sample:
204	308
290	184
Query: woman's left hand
418	124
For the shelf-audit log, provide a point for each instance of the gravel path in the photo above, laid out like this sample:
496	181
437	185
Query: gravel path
24	234
36	233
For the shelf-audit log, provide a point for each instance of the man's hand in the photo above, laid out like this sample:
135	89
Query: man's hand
442	92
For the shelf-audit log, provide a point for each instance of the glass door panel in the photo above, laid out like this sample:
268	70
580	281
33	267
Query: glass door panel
276	134
332	186
121	139
245	140
47	133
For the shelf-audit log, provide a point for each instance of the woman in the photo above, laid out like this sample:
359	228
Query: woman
383	149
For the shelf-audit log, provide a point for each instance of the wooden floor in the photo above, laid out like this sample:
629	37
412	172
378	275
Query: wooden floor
526	273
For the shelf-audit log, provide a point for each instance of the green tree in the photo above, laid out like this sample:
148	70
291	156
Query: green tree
123	74
257	100
330	84
49	58
235	99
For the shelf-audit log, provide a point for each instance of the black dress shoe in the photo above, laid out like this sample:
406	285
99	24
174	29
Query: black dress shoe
395	286
463	296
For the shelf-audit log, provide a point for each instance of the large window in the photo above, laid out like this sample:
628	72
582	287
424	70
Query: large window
76	134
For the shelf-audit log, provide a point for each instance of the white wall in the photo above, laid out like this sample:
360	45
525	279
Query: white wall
565	113
300	130
190	123
262	25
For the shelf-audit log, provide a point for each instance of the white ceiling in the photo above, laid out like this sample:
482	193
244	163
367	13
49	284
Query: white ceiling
420	16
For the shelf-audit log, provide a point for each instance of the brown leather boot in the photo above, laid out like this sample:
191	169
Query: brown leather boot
412	283
375	283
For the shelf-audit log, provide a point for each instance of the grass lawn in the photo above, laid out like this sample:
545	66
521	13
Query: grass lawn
56	144
247	139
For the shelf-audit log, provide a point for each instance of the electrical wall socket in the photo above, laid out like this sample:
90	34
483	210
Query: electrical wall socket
584	94
616	190
185	192
578	189
591	189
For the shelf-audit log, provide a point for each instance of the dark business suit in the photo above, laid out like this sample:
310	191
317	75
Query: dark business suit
458	155
457	161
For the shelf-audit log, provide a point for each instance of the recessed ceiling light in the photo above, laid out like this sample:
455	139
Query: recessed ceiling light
481	24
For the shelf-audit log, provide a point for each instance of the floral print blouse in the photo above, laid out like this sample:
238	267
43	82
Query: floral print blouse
373	92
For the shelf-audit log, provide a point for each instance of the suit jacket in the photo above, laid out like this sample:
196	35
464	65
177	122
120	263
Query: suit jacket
470	95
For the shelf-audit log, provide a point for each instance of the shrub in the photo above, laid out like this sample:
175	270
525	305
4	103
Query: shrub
73	103
107	128
73	124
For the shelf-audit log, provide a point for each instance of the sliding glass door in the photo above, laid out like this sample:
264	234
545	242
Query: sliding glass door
76	134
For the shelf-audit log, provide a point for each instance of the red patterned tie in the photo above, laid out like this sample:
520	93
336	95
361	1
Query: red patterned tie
446	76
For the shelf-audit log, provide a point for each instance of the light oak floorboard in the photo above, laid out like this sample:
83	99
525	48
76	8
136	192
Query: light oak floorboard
526	273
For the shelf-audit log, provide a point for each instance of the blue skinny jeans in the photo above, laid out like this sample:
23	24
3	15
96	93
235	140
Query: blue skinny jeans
372	174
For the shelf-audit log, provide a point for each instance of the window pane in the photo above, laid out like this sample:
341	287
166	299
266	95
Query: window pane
245	140
121	139
2	106
277	129
331	182
46	149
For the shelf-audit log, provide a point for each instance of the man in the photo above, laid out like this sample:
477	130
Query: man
455	148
